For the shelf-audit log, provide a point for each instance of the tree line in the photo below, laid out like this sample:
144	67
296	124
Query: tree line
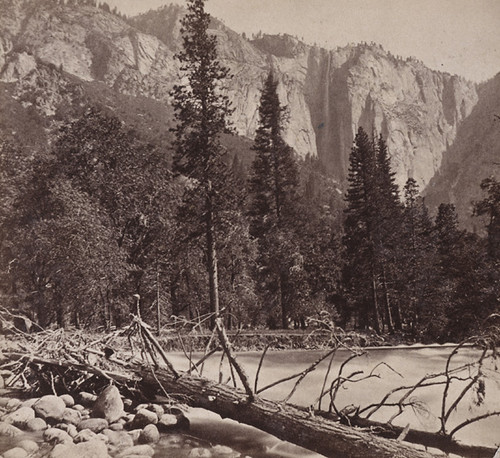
106	223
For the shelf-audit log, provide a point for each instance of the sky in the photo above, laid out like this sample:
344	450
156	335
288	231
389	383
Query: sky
457	36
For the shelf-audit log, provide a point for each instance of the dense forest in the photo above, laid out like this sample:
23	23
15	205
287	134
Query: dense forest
106	222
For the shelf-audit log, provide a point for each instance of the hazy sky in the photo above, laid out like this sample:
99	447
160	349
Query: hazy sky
457	36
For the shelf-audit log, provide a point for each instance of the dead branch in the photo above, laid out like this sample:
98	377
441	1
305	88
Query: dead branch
327	373
156	345
226	345
472	420
304	373
301	374
259	367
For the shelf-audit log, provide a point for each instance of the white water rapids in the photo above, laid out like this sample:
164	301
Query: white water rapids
407	367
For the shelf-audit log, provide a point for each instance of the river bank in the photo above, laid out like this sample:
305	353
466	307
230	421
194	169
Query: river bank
100	426
71	362
307	339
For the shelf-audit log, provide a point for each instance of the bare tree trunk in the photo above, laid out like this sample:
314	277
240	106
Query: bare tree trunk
375	304
158	310
282	299
387	305
211	258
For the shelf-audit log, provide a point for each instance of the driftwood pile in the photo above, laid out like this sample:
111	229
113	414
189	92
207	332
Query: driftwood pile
58	362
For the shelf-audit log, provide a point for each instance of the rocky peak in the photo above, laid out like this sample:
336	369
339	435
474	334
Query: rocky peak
280	45
163	23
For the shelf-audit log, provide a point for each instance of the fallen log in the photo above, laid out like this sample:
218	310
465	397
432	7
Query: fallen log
426	438
285	421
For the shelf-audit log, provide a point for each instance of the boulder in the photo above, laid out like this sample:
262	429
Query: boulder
12	404
157	409
87	399
140	407
102	437
84	436
29	402
94	424
72	416
69	428
91	449
57	436
149	435
118	426
167	422
135	434
50	407
28	445
120	439
109	405
222	451
20	417
8	430
36	424
143	418
16	452
68	400
200	452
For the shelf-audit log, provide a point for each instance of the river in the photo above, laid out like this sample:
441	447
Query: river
407	366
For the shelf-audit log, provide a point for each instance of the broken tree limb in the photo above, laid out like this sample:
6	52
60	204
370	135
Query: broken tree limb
157	346
226	345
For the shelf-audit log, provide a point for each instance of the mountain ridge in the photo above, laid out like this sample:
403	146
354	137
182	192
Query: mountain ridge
328	93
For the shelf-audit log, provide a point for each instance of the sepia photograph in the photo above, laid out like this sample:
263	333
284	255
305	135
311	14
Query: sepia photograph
249	228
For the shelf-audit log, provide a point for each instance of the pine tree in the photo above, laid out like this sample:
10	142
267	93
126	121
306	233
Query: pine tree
416	259
273	192
360	270
201	112
372	235
387	232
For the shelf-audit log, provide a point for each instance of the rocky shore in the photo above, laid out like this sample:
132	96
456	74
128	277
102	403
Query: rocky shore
91	426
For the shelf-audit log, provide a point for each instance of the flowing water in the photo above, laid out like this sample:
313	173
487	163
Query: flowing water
401	367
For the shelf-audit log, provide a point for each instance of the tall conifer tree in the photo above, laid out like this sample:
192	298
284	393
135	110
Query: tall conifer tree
273	201
387	232
201	112
360	274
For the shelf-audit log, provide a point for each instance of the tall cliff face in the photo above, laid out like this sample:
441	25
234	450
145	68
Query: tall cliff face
473	156
328	93
417	110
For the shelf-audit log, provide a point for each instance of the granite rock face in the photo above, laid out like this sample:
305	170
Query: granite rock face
328	93
474	156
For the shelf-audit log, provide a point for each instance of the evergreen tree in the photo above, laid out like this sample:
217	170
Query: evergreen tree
360	270
490	207
372	235
273	192
416	259
387	233
201	112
